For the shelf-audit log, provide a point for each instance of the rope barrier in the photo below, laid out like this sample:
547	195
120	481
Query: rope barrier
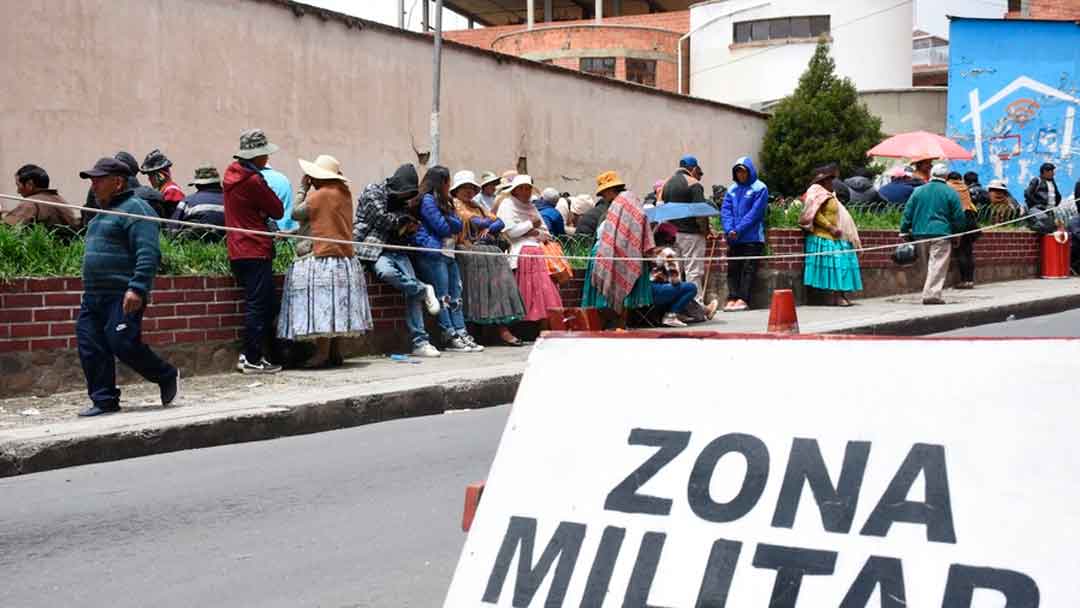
409	248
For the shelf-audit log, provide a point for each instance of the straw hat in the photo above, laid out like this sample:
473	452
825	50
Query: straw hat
463	178
324	167
608	180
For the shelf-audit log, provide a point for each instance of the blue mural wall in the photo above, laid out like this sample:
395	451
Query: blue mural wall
1014	89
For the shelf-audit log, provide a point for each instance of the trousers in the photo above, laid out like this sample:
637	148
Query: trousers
937	268
260	303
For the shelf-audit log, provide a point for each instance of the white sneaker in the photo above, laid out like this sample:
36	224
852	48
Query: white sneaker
426	350
472	344
431	301
672	320
262	367
457	345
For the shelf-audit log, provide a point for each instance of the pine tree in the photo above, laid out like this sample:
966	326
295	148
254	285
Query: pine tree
822	122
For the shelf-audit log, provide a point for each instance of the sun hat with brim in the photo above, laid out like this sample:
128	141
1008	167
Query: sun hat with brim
155	161
325	167
519	180
206	174
997	184
253	143
105	167
608	180
488	178
463	178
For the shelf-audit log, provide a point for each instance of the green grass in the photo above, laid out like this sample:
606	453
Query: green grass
34	251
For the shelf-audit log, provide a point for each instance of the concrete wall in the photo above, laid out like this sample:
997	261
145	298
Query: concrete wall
1013	103
871	43
86	78
904	110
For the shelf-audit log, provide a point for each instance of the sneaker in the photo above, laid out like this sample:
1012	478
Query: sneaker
710	310
170	389
457	345
672	320
99	409
471	342
932	301
426	350
262	367
431	301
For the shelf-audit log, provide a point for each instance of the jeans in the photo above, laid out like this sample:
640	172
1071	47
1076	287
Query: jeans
673	298
396	269
443	274
257	279
105	333
740	273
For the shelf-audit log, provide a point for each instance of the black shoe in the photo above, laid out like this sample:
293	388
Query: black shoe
99	409
170	389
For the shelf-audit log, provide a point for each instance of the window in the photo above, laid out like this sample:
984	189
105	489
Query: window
812	26
601	66
1015	6
641	71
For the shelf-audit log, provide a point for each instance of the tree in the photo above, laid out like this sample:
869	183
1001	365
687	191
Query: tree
822	122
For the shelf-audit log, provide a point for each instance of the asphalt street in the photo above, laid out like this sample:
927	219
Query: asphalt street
1065	324
364	517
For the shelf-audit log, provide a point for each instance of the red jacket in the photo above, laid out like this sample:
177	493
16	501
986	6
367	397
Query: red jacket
248	203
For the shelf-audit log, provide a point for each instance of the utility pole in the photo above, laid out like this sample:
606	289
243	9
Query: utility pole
436	84
401	14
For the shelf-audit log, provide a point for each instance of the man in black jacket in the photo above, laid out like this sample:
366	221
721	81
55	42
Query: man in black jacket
685	187
979	195
1042	194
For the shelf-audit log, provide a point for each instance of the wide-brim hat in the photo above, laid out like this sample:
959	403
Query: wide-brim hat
463	178
608	180
828	172
325	167
253	143
520	180
997	184
487	178
206	174
155	161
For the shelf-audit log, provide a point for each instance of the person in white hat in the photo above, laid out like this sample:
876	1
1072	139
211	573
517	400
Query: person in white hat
526	232
325	295
489	183
489	293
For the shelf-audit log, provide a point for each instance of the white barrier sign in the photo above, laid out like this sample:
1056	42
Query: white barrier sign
743	473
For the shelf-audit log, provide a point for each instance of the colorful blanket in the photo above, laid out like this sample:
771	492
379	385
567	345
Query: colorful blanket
624	234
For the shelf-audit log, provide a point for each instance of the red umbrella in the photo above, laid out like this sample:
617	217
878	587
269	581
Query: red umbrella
920	144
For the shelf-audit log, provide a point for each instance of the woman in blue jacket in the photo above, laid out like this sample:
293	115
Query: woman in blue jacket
439	227
743	217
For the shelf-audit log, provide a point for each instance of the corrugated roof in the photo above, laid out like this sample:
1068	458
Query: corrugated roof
507	12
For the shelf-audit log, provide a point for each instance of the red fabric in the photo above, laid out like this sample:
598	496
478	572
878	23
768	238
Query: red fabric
625	234
172	193
538	292
248	204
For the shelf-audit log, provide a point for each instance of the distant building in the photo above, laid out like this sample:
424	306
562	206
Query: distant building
1055	10
929	60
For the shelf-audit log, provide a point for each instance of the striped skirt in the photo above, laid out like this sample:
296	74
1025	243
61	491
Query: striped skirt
324	298
489	291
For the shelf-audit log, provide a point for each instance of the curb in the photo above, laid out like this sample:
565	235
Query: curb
317	417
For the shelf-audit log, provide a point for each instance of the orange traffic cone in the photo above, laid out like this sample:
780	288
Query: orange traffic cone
473	492
782	317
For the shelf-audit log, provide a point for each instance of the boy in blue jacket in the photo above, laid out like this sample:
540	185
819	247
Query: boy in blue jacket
743	217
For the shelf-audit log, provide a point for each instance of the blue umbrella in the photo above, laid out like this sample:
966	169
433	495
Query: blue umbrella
678	211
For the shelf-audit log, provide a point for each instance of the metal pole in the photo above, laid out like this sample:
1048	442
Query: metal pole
436	84
425	18
547	11
530	14
401	14
599	11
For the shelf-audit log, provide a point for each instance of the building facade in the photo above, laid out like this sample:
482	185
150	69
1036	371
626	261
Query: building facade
1013	98
1057	10
747	52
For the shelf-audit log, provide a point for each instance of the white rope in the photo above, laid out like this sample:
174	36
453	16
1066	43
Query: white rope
408	248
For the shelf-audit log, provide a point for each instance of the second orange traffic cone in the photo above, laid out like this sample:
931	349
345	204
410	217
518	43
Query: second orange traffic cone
782	317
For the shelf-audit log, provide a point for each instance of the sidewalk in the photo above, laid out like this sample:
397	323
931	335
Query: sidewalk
39	434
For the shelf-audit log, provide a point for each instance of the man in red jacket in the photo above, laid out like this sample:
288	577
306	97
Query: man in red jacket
249	202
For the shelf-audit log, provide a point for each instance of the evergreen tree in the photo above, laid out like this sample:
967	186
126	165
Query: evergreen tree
822	122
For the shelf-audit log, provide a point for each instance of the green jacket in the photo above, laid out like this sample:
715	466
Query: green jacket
933	210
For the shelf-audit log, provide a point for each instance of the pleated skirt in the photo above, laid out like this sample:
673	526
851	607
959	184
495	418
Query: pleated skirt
324	298
836	272
489	291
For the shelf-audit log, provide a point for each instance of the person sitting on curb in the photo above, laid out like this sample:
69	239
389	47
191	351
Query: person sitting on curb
383	218
671	295
934	211
122	256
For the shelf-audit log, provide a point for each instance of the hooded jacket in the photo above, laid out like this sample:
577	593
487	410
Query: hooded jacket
381	217
899	190
862	190
248	203
553	220
743	211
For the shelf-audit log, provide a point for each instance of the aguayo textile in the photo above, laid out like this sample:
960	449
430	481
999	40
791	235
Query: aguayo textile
490	292
640	296
624	234
324	298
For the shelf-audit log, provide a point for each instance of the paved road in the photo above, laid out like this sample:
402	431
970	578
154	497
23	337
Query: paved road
364	517
1062	324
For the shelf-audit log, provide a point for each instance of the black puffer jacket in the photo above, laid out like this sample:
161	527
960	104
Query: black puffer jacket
862	190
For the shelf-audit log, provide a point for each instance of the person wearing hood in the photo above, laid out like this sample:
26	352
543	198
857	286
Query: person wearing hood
325	297
862	188
743	217
831	264
553	220
383	217
249	203
934	211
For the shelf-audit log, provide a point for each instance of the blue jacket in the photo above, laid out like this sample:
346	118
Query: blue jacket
899	191
282	187
551	216
743	211
434	224
122	253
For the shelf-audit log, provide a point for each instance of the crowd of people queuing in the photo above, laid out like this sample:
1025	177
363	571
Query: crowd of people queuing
480	255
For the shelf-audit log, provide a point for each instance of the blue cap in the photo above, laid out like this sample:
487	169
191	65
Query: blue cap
688	161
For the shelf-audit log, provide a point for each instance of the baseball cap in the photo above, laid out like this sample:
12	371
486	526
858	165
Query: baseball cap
106	166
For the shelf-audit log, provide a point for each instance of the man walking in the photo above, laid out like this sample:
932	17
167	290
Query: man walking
934	210
383	218
119	265
685	187
249	202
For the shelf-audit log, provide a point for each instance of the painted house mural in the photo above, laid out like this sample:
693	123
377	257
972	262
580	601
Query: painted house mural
1014	88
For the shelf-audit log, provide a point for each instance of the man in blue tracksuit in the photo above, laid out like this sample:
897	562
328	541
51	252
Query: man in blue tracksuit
743	217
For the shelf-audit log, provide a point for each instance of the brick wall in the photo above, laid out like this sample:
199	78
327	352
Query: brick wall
675	21
1058	10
